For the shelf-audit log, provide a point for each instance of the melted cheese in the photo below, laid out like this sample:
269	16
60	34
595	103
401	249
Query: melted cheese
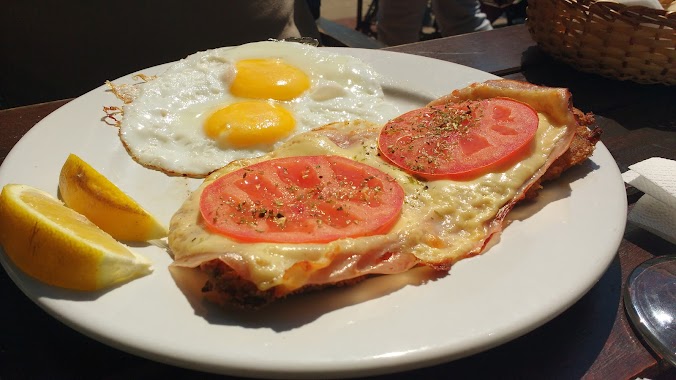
441	221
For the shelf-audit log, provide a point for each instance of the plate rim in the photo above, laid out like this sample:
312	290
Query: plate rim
365	367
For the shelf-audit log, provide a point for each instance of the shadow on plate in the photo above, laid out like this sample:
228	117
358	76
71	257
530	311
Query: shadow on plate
581	332
552	191
297	310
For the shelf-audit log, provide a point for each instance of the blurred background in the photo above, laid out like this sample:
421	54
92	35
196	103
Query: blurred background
59	50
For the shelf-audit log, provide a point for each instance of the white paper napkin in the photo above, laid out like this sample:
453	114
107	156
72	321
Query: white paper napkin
656	210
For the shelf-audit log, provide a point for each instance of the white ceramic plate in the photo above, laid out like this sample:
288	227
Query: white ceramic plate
551	253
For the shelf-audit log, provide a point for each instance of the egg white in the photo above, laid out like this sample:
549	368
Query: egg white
162	127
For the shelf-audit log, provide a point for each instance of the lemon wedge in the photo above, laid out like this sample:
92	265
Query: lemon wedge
59	246
88	192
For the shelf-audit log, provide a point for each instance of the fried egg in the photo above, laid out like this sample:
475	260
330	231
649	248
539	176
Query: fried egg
225	104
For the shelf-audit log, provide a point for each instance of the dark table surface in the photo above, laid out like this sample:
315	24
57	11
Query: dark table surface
592	339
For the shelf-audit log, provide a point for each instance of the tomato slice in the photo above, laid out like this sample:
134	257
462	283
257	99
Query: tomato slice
458	140
306	199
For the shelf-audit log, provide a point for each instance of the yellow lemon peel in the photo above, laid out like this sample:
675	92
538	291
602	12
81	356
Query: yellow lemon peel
88	192
61	247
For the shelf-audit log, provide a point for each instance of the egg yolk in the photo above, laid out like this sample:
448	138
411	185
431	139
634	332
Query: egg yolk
250	123
268	79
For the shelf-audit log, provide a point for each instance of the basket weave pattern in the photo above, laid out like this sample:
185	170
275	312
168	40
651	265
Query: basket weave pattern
603	37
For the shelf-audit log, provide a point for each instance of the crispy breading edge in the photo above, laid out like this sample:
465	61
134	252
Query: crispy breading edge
581	148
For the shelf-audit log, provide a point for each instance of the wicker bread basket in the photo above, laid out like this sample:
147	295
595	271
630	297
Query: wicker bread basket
603	37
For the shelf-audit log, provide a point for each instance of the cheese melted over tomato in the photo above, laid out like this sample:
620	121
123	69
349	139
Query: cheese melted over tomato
441	222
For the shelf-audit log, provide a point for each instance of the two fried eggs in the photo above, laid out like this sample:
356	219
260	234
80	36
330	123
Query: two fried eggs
225	104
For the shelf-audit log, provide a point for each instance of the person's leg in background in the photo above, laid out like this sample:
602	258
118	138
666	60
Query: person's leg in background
88	50
305	14
315	7
400	21
459	17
